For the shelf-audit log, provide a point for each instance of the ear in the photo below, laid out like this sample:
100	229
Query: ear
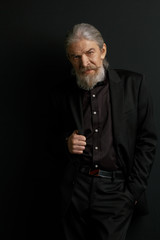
67	55
103	51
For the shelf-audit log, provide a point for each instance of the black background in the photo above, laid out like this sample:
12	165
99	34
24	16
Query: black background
32	60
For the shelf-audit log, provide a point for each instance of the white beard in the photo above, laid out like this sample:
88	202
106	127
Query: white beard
89	81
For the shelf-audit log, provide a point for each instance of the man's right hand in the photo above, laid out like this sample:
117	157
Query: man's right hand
76	143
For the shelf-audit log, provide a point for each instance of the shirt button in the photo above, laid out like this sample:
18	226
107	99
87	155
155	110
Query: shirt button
94	95
94	112
96	148
96	130
96	166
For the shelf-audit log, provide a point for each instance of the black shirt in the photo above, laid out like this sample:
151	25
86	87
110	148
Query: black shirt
98	127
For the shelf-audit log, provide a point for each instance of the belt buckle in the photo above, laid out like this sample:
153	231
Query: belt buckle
94	172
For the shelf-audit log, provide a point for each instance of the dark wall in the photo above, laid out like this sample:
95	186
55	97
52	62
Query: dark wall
32	60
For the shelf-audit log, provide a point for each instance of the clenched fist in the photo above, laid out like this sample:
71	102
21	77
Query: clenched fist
76	143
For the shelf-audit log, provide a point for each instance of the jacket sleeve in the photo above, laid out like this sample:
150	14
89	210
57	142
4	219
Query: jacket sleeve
145	144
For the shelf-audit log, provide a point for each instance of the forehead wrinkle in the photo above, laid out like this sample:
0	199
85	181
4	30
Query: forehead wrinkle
82	46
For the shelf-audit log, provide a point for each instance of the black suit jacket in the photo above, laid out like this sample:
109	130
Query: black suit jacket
133	131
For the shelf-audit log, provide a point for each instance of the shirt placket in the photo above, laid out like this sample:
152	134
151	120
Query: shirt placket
95	122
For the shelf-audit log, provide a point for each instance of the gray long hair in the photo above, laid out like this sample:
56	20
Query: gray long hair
88	32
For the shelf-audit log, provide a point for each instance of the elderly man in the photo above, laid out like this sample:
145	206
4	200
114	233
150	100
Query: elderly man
109	141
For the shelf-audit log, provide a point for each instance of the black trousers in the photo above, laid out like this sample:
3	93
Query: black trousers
100	209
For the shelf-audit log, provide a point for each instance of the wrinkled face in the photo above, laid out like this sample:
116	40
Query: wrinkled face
86	57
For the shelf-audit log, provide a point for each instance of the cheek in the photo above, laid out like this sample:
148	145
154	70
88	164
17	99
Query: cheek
97	61
75	65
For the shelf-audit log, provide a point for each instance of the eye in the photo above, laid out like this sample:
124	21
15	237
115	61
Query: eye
90	52
75	57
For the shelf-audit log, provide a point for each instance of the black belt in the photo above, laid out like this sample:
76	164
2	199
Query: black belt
102	173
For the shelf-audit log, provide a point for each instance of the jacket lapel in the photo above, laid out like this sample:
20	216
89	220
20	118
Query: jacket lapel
76	109
117	101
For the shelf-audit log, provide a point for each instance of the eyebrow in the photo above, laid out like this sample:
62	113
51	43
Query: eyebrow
91	49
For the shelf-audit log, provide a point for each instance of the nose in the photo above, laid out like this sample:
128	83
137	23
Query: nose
84	60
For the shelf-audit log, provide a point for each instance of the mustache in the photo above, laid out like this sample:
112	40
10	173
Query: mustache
84	69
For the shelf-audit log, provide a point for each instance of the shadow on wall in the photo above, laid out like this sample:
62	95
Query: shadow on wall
47	69
27	177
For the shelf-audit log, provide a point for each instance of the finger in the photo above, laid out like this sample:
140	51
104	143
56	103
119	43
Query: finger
79	137
78	148
77	152
75	132
78	142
